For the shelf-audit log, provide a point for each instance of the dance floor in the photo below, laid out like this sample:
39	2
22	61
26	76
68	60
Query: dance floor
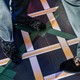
43	55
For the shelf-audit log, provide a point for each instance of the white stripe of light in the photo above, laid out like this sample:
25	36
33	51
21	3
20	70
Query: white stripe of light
33	60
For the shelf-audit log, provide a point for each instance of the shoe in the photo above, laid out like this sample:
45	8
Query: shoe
10	51
31	23
71	65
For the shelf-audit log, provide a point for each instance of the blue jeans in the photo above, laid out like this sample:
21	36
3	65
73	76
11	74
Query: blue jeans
19	10
6	29
72	8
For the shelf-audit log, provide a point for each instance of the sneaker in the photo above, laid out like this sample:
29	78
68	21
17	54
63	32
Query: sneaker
71	65
10	51
31	23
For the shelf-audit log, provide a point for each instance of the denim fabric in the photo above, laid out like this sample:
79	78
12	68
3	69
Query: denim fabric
6	30
19	9
7	3
72	8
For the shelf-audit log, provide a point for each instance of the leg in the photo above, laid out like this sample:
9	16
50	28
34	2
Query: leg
19	9
72	8
6	29
6	34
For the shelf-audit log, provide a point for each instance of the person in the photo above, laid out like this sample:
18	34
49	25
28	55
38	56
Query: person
72	8
9	18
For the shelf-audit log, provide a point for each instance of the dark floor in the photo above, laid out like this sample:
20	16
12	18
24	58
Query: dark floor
45	66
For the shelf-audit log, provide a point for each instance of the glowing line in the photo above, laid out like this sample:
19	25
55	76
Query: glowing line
55	25
35	14
58	75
